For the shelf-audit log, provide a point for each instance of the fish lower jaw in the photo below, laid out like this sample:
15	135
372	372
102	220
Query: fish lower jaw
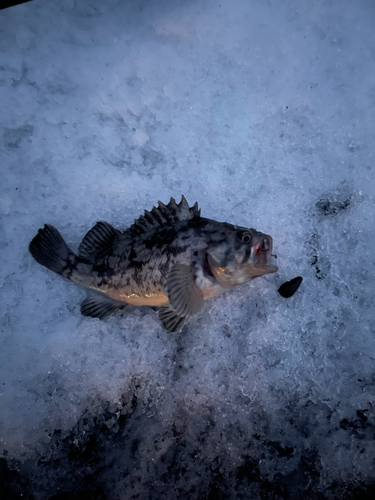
260	269
269	269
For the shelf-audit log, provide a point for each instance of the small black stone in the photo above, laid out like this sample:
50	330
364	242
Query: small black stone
289	288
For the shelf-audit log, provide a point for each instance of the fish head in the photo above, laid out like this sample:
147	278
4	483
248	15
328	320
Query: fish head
241	255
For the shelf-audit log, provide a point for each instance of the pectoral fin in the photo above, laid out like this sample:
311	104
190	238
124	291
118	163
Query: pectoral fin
184	295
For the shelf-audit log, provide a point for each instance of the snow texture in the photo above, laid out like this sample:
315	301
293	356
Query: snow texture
264	113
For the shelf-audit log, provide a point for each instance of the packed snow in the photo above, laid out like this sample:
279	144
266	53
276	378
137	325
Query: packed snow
264	113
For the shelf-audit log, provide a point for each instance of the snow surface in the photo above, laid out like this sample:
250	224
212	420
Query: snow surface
263	112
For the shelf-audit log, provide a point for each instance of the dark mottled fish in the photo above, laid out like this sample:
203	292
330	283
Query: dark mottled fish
170	257
289	288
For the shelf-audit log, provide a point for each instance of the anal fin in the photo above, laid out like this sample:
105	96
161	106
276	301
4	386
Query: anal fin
100	306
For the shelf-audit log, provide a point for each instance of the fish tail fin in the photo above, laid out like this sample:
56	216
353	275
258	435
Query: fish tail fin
50	250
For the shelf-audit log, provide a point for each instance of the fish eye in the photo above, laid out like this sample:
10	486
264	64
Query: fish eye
246	237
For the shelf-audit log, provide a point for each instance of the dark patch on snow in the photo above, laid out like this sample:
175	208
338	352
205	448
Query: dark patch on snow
109	455
327	206
12	137
313	243
13	483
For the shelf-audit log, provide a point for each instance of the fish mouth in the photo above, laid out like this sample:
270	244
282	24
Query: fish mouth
260	256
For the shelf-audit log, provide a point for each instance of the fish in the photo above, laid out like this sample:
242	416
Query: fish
171	259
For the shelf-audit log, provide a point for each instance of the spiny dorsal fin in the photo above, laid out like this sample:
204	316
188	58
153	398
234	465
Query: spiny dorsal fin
98	241
164	215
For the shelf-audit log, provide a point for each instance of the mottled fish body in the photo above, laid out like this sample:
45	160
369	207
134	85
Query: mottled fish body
171	258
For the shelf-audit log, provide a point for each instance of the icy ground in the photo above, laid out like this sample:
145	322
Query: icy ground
264	113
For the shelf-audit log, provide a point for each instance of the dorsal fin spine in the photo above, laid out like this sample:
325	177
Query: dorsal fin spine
158	216
149	218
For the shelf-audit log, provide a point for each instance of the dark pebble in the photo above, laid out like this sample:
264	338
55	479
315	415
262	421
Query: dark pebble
289	288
